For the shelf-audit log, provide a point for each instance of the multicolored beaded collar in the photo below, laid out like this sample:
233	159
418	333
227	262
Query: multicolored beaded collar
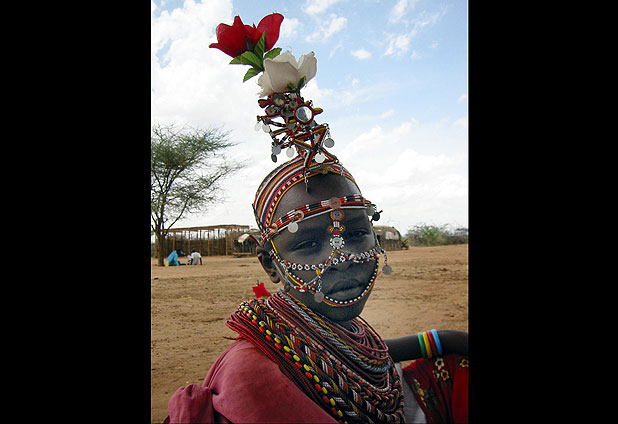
347	372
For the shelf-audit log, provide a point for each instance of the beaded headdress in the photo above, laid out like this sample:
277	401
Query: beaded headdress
290	121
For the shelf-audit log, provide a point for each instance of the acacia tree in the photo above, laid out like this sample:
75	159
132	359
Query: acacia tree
187	167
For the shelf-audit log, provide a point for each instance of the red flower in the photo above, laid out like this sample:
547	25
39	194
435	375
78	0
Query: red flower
236	39
260	291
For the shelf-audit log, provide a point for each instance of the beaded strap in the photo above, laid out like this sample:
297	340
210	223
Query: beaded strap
355	201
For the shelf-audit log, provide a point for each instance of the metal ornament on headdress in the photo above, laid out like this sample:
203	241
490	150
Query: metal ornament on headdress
289	119
295	129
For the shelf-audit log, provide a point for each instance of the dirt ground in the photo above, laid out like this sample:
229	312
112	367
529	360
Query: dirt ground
190	304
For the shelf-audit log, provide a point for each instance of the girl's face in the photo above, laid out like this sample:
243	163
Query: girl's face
310	245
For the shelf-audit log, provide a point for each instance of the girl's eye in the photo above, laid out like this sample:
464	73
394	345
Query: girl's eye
307	245
358	233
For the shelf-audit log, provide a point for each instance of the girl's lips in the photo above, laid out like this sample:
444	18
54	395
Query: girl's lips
346	290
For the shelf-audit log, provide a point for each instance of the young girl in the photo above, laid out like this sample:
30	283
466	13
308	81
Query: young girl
303	354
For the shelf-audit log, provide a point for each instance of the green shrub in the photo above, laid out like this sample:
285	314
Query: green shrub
432	235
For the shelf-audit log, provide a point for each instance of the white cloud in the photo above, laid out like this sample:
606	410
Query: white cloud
315	7
288	28
334	50
354	93
433	186
399	10
387	113
462	98
462	122
361	54
327	28
397	44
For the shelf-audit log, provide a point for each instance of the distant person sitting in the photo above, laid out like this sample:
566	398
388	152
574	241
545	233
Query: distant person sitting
195	257
172	259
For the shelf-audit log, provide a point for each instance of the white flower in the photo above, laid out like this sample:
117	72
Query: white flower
284	70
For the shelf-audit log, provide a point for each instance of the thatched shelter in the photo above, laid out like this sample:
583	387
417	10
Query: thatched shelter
209	240
389	237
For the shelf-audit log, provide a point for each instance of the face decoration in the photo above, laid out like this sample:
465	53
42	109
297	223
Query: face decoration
326	248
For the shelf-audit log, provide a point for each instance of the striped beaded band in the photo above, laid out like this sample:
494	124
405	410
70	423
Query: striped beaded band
280	180
354	201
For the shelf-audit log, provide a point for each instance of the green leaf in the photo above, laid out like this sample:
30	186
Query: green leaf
236	61
259	47
273	53
253	71
301	82
249	58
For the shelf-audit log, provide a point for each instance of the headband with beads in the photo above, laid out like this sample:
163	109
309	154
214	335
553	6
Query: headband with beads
280	180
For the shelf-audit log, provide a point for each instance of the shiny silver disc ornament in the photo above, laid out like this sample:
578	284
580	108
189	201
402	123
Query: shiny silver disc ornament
290	152
303	114
318	297
336	242
293	227
258	125
329	142
319	158
276	149
387	270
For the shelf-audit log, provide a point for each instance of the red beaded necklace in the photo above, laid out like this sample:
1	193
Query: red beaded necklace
346	372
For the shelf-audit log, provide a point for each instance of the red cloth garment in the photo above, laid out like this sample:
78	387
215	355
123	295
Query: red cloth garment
440	386
265	394
347	372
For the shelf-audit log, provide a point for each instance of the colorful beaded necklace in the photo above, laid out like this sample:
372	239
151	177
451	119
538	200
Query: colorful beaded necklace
346	372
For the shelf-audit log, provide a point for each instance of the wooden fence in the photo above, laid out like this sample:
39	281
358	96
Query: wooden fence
209	240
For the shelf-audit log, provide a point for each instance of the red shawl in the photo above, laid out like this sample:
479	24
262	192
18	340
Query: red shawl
266	395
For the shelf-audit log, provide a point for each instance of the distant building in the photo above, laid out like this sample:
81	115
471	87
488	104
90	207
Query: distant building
389	237
209	240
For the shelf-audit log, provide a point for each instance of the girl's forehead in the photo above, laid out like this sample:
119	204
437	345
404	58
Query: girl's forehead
319	187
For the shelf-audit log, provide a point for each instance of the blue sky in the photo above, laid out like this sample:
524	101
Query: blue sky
392	79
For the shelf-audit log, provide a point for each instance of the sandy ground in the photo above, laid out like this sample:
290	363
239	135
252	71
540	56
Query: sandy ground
189	305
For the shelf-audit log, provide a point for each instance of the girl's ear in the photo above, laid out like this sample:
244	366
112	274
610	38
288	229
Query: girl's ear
267	263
